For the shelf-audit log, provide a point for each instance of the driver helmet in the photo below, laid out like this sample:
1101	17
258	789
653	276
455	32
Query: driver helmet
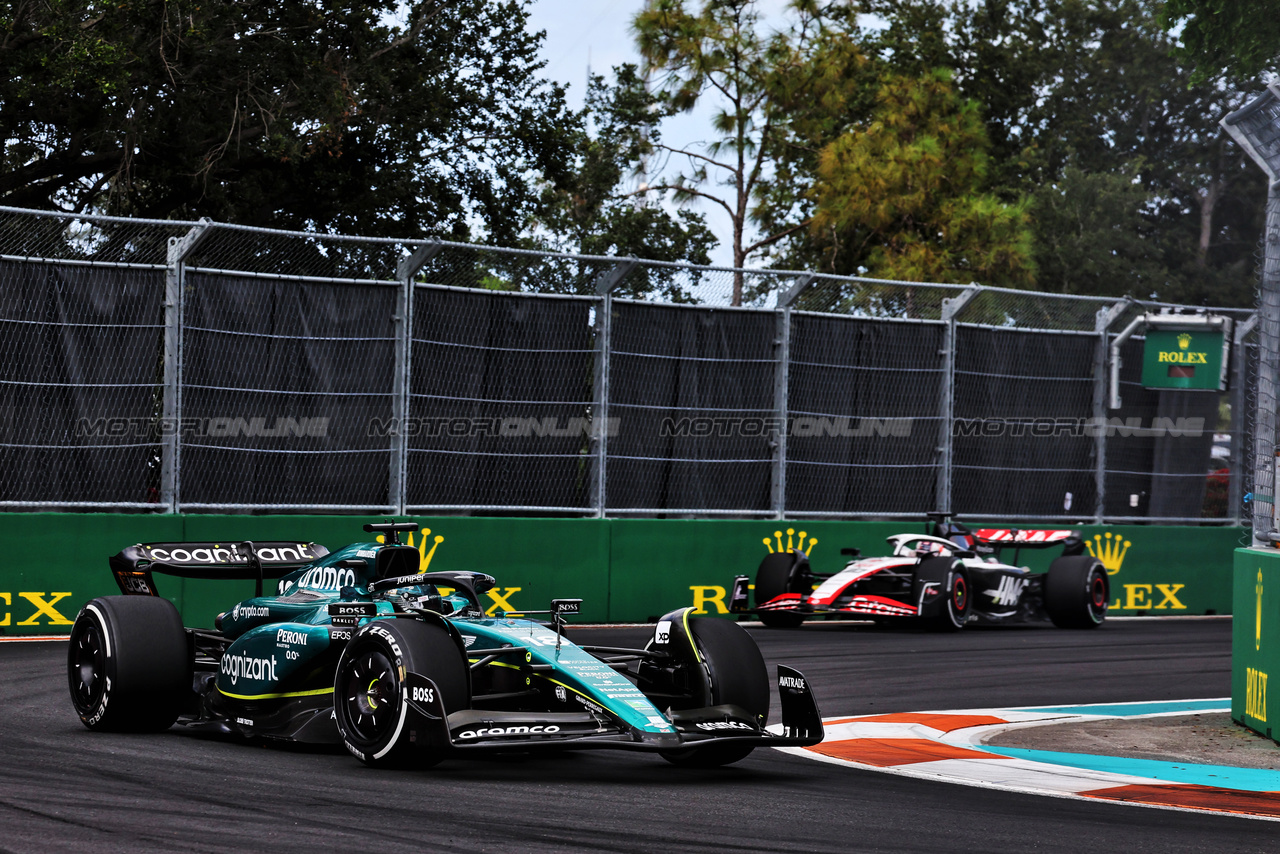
925	548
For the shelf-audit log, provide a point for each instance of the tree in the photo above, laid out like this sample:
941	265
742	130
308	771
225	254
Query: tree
378	118
1240	37
903	197
720	50
593	210
1096	86
1091	236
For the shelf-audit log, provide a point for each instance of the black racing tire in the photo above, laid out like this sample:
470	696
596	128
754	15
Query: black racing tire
369	702
776	576
128	664
955	611
738	676
1076	592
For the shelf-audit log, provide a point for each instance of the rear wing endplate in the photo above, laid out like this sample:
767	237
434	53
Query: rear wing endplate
133	566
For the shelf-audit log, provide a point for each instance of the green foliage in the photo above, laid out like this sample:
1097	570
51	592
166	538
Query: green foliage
376	118
1091	236
1096	85
1240	37
719	50
902	198
592	211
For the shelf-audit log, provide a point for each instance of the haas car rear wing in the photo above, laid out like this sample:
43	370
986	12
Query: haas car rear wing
133	566
1026	539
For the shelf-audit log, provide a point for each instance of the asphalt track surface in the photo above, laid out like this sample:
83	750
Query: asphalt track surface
63	788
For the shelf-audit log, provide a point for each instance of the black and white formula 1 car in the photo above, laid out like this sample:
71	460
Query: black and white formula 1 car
948	577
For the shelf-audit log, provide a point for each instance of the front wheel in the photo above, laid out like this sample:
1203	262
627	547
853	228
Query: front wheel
737	674
370	702
778	574
1076	592
128	665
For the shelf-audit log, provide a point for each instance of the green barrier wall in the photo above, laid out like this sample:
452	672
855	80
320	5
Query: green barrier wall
624	570
1255	638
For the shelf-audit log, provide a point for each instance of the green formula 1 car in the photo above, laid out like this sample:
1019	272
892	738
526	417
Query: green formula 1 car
405	668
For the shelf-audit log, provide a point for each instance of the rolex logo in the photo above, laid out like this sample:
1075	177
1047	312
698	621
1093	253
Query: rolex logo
1257	625
775	545
1184	341
424	560
1110	551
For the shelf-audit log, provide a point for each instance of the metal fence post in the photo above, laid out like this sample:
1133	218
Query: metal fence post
406	270
1264	425
179	249
1235	482
1256	128
781	378
951	309
605	286
1102	323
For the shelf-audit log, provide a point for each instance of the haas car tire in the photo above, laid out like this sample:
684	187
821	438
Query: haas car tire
737	675
369	701
1076	592
128	664
778	574
954	580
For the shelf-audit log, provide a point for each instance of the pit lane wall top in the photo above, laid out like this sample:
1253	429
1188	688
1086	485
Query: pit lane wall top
624	570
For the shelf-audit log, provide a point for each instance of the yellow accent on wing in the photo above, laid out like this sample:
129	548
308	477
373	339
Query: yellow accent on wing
317	692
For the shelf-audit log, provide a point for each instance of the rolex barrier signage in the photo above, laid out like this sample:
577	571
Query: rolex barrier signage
1185	358
1255	639
624	570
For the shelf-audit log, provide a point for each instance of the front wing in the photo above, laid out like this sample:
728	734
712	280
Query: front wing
472	729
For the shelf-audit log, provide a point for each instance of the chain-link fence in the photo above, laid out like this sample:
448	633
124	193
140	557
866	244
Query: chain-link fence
201	366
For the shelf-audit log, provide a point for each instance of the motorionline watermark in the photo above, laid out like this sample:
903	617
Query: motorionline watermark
220	426
1053	428
796	425
503	427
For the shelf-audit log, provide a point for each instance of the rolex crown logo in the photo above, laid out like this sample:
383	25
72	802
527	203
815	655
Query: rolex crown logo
1110	551
775	545
425	555
1184	340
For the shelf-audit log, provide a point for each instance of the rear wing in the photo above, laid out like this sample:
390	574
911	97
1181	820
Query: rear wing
1028	539
133	566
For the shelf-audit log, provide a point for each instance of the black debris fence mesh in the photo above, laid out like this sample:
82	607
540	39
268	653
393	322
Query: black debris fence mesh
282	382
692	365
79	385
200	366
500	402
864	387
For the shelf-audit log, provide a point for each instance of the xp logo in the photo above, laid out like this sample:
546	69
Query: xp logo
423	695
662	634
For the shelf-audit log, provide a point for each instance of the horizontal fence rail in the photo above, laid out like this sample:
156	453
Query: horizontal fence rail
201	366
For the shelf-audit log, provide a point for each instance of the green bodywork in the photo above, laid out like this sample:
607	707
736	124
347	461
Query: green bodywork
283	645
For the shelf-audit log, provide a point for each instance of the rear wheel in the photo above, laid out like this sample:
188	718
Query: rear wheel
738	677
1076	592
128	664
955	613
369	701
776	576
